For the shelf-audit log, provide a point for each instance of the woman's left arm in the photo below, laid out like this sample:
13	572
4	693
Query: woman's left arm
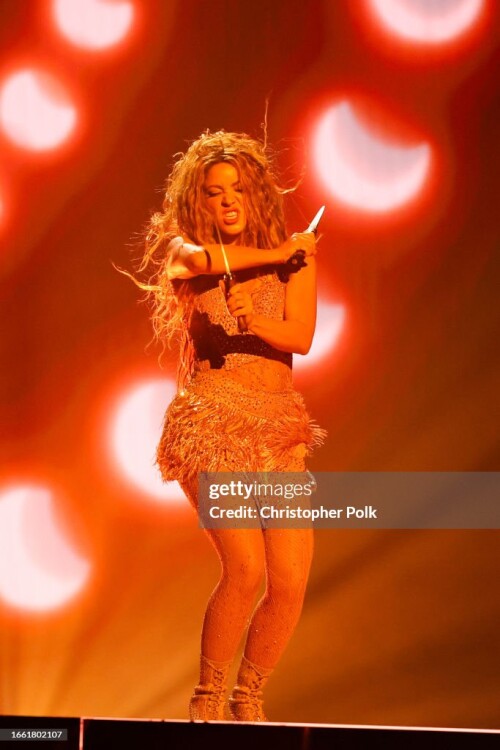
294	333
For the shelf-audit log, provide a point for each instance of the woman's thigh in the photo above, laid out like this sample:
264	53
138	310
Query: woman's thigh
240	550
289	554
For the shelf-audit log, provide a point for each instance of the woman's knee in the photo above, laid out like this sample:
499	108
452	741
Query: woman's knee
288	593
241	552
246	573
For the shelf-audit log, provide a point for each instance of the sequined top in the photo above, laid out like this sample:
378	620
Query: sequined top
219	344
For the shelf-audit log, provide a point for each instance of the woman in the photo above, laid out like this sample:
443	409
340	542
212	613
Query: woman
236	408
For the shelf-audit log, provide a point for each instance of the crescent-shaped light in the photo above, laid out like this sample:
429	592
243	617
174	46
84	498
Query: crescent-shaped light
39	570
330	321
362	171
94	24
427	21
135	432
35	112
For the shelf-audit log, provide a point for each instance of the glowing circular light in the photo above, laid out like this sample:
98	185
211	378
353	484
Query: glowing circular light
35	112
330	320
360	170
135	433
427	21
94	24
39	570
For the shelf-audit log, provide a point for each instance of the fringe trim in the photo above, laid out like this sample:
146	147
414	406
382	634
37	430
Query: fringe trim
204	434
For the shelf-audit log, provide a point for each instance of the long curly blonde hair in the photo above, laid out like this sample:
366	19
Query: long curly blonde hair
184	213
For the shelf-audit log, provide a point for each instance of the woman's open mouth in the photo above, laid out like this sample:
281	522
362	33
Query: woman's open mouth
230	217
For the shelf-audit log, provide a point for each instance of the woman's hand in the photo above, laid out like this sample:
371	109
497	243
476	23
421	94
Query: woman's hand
305	241
239	300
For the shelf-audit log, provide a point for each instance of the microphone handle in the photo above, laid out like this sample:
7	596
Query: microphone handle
230	281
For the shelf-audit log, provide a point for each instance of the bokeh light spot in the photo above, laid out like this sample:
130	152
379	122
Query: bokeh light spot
330	321
135	433
427	21
94	24
39	570
362	171
35	111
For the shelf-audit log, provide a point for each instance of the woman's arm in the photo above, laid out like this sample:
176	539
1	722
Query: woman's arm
186	260
294	333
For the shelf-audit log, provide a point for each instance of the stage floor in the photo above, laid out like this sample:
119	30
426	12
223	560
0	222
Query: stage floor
155	734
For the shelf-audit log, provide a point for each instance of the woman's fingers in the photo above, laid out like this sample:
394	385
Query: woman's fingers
305	241
239	304
243	310
239	300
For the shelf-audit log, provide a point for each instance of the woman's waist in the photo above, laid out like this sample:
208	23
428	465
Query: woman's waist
232	392
254	373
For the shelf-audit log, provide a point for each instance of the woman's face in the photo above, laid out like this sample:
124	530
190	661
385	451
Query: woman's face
224	200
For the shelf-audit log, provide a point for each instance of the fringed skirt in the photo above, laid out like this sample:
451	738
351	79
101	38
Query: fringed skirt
220	424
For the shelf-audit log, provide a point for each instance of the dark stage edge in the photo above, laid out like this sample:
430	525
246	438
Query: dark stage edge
154	734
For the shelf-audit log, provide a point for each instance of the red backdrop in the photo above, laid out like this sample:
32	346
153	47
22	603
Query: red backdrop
398	627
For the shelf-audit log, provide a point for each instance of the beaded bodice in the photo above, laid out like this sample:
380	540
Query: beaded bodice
217	341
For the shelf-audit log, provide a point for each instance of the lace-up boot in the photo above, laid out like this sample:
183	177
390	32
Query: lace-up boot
208	699
245	703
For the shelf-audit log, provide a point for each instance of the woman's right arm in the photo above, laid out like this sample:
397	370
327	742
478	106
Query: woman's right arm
185	260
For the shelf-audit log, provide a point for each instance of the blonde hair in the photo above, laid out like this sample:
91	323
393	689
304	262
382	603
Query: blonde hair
185	213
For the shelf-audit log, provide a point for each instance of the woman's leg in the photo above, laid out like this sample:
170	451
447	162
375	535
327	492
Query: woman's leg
289	555
242	558
288	561
241	553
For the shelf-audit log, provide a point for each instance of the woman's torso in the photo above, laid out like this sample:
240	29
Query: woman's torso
220	346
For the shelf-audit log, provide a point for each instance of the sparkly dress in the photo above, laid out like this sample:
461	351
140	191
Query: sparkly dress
239	411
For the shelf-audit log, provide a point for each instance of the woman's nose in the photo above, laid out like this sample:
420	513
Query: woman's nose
227	199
